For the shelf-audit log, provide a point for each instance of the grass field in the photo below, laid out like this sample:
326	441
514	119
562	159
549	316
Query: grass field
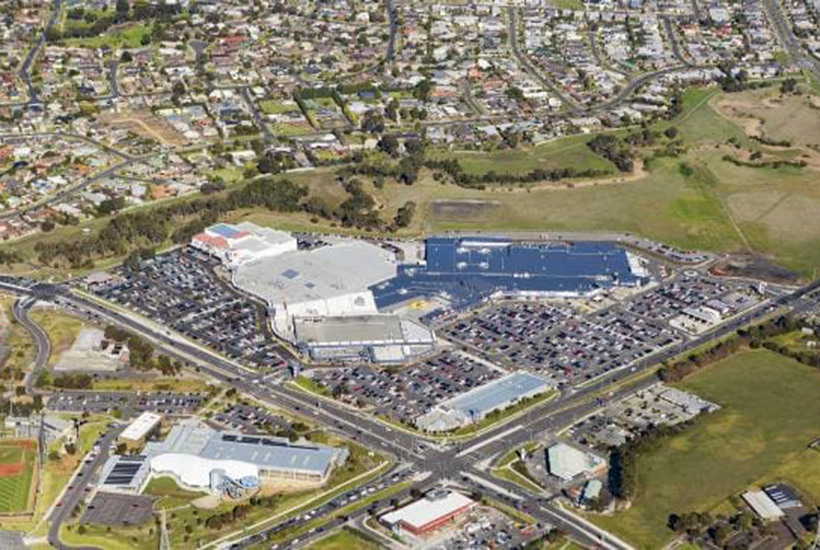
769	414
62	330
569	152
17	462
344	539
128	37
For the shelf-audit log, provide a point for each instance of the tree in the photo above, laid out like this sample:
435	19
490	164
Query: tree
404	215
389	144
122	9
126	57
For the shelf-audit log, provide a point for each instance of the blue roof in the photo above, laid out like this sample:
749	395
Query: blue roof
469	269
497	394
225	230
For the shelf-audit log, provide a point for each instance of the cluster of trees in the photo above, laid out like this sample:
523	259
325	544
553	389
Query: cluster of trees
141	352
23	408
719	530
810	358
129	231
753	337
623	467
453	168
772	142
732	80
237	513
82	22
404	215
765	164
614	150
275	162
10	257
788	86
357	210
73	381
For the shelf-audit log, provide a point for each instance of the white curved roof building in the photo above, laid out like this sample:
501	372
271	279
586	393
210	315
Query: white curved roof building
195	472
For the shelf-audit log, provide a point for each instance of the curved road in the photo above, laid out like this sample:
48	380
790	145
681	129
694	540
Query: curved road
20	310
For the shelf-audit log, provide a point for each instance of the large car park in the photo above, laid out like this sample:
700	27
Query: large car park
181	290
406	393
558	341
569	346
106	402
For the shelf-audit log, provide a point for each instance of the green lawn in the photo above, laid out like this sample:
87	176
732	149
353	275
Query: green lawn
344	539
769	415
169	494
119	538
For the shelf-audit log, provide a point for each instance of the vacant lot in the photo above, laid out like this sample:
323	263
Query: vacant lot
766	112
17	462
769	416
146	125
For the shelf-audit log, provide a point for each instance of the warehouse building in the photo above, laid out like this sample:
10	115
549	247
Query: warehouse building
434	510
762	505
137	432
465	271
376	338
568	463
236	245
476	404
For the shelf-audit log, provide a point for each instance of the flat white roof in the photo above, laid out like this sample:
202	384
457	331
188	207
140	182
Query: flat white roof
344	268
141	425
566	462
762	504
428	509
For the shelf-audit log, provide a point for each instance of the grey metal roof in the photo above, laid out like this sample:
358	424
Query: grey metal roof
270	453
498	393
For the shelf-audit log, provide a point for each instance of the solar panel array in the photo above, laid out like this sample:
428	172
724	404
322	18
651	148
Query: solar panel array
124	470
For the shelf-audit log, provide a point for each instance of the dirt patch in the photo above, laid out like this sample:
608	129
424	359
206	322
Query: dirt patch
754	266
461	209
146	125
741	113
11	470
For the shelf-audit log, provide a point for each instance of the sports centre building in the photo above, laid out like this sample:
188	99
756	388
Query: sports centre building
465	271
198	457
